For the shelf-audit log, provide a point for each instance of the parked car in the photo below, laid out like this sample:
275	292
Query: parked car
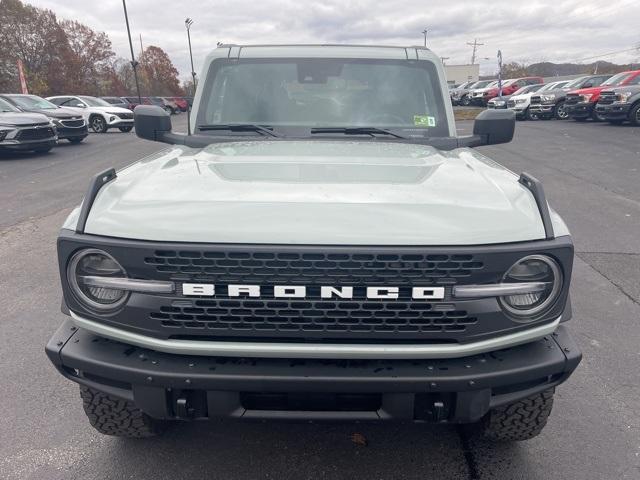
621	104
243	272
25	131
159	102
509	86
476	92
456	93
550	103
581	104
117	102
173	106
520	103
182	103
100	115
69	124
502	102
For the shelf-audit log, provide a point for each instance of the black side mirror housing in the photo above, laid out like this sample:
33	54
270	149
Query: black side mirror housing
151	122
495	126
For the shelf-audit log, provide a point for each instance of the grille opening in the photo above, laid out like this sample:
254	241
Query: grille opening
325	339
311	402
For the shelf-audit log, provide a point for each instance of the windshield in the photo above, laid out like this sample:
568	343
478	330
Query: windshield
32	102
575	83
320	93
7	107
94	102
552	86
617	79
481	84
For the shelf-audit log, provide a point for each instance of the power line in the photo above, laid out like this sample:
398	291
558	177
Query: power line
475	46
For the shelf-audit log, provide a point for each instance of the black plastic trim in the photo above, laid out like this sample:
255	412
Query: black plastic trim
536	188
96	184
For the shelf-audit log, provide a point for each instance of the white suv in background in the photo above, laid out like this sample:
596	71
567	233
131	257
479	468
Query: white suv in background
100	115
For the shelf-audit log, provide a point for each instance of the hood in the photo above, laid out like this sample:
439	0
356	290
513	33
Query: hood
628	88
111	109
524	95
590	90
58	113
22	118
316	192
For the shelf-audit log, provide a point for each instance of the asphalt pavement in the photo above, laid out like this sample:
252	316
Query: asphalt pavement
591	173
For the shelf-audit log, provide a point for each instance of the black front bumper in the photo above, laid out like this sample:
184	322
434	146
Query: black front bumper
28	145
66	133
170	386
579	110
614	111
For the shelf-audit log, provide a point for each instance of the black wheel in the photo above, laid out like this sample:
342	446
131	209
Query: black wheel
560	112
98	125
43	149
465	101
596	117
76	140
125	129
114	416
529	115
519	420
634	115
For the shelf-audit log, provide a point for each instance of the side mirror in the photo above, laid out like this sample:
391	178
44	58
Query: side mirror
495	126
154	123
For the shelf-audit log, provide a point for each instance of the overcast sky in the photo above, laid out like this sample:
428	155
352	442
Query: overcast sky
529	31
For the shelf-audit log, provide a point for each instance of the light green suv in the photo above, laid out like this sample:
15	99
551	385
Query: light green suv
321	245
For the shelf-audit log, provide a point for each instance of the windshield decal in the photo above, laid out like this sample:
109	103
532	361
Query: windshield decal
424	121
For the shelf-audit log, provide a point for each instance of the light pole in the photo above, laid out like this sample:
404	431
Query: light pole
424	32
187	23
134	64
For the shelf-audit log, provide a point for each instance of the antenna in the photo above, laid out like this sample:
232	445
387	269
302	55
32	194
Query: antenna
475	46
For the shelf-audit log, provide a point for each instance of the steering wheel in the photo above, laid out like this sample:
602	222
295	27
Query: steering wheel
385	118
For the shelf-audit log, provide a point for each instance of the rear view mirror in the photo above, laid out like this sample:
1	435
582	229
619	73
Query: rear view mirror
495	126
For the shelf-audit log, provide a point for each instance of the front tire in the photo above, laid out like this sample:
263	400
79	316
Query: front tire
98	125
560	112
529	115
634	115
113	416
518	421
596	117
125	129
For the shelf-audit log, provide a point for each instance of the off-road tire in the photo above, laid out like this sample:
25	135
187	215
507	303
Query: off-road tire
520	420
114	416
634	115
125	129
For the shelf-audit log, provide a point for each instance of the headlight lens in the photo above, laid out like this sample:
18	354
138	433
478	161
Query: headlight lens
547	98
521	100
624	97
534	268
95	263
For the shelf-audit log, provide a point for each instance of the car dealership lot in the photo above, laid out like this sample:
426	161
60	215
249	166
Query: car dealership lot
591	173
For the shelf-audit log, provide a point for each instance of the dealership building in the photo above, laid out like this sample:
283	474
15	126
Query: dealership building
457	74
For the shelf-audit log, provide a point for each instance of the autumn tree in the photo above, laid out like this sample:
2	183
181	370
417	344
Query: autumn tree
88	58
514	70
158	74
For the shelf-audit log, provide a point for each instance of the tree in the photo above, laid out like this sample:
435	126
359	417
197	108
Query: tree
514	70
88	58
159	76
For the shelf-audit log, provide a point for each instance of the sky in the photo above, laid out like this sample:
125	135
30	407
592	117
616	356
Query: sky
525	31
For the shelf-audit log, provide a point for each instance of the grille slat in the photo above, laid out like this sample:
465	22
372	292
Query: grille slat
35	133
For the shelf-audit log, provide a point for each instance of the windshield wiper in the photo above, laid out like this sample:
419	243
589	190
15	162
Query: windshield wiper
356	131
240	127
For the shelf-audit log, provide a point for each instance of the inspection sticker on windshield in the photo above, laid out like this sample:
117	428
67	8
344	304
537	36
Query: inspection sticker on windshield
424	121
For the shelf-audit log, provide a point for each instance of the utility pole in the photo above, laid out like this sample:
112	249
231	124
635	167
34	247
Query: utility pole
424	32
475	46
134	64
141	49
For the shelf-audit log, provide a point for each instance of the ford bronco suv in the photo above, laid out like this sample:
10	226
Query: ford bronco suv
320	245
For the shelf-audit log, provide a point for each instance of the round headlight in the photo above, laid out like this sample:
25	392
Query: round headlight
95	263
533	269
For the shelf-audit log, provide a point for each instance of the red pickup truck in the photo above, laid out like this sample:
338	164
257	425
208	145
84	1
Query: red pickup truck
580	104
510	86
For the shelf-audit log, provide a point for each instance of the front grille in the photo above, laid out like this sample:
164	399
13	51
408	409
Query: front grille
41	133
73	123
311	318
536	100
126	116
511	103
277	316
607	98
315	268
572	99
